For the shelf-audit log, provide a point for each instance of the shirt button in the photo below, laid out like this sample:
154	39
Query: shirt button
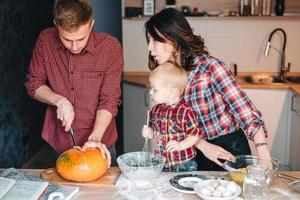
72	88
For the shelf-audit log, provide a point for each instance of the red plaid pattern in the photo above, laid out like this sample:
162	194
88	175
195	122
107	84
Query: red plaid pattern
89	80
221	105
174	123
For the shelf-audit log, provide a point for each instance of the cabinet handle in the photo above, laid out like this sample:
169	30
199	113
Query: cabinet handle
292	106
146	98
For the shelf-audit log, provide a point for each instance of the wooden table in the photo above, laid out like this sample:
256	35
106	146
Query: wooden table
110	192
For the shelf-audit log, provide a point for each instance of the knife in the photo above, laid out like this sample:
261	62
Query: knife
72	136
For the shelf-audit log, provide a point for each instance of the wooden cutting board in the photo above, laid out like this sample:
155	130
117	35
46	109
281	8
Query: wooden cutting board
109	178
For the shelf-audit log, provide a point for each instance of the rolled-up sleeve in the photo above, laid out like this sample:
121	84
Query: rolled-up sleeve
36	76
192	126
239	104
109	98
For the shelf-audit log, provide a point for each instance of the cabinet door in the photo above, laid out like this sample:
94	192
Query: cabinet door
295	134
135	104
275	108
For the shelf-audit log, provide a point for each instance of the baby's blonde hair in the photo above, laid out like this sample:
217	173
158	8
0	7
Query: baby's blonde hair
171	74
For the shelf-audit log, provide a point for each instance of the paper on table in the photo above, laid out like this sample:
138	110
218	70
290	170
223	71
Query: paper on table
15	175
26	190
5	185
65	193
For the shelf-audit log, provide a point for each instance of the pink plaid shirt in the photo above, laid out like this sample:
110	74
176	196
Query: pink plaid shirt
174	123
89	80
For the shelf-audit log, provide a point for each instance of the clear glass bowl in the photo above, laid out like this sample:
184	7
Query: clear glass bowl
141	167
242	161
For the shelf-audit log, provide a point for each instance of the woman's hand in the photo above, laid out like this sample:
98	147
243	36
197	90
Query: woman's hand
214	152
65	113
263	152
264	156
102	147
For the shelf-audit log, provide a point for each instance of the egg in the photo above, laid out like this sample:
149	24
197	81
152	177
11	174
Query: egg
210	188
205	191
215	183
231	187
221	188
224	183
217	194
227	193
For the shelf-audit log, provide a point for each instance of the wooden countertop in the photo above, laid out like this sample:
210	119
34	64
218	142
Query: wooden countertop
110	192
141	79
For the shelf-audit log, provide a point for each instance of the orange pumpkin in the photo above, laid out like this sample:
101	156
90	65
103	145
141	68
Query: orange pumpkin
81	165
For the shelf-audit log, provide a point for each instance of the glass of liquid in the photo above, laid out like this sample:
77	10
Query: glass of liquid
256	185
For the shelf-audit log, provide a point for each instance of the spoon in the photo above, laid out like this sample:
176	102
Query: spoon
228	168
146	144
295	185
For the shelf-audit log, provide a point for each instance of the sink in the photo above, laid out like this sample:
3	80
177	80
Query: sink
261	79
293	79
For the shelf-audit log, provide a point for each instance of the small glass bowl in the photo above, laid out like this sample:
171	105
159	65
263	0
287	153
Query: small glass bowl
241	163
140	167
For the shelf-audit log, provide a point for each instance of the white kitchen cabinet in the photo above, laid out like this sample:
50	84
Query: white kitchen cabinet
135	105
295	134
275	106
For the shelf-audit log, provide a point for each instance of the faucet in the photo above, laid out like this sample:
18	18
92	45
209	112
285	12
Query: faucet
283	70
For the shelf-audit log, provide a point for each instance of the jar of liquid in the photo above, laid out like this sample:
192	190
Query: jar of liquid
279	7
266	8
245	8
255	7
256	184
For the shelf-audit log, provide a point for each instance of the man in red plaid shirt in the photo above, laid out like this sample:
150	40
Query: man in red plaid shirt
77	72
173	122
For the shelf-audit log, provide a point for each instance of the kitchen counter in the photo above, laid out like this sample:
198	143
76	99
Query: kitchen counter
116	192
141	79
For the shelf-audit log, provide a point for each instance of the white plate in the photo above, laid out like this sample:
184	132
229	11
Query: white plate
213	12
185	182
204	183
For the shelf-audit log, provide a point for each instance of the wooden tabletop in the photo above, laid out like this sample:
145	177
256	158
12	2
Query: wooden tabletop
110	192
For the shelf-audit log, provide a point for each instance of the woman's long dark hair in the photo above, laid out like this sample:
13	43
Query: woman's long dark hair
170	24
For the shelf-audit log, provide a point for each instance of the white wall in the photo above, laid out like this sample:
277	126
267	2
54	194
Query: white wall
231	39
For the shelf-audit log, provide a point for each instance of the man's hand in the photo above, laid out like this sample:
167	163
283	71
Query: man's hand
173	146
214	152
65	112
102	147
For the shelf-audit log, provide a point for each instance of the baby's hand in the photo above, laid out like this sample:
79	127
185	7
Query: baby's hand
147	132
173	146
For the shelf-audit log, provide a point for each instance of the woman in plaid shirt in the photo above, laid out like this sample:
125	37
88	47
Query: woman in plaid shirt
175	123
225	113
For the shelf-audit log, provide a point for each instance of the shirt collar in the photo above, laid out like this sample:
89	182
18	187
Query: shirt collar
199	61
179	103
90	44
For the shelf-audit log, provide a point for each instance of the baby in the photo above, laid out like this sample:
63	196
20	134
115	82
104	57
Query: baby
173	124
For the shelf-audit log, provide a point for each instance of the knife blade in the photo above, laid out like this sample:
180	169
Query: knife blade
71	132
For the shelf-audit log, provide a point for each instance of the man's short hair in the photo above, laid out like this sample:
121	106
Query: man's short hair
70	14
172	75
